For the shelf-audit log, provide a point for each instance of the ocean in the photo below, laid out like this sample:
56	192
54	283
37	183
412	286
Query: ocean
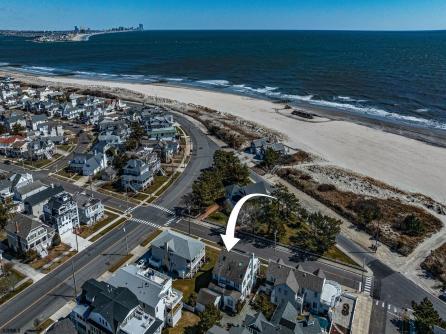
395	76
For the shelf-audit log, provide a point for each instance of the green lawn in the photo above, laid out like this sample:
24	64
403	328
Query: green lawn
201	279
157	182
118	264
108	229
174	177
336	254
151	236
89	230
219	218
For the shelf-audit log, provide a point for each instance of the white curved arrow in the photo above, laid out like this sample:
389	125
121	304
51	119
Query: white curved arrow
228	239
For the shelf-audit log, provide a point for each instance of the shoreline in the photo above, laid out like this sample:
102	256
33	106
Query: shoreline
375	150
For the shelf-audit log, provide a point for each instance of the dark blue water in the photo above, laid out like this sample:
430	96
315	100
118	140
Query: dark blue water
400	76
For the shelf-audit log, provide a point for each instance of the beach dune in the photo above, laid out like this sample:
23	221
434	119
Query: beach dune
402	162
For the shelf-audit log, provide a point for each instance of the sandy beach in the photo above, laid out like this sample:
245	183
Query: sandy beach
405	163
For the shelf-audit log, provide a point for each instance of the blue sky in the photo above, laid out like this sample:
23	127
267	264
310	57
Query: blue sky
225	14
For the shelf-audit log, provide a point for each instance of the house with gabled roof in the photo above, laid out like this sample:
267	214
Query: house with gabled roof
88	164
176	253
25	233
154	291
303	289
234	275
102	308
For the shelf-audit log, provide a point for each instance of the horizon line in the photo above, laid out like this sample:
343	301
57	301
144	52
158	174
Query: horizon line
254	29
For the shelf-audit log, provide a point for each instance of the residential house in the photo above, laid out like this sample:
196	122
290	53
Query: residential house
284	320
177	253
70	112
207	297
61	212
234	192
234	276
19	180
88	164
136	175
166	149
304	290
5	190
25	233
104	309
15	119
109	174
40	149
260	146
7	141
153	290
62	326
34	203
18	149
159	127
37	120
23	192
91	210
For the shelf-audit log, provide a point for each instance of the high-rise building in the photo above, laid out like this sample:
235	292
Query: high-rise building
141	27
76	29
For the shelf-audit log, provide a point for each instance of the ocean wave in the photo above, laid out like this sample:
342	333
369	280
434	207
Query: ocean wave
214	82
374	111
4	64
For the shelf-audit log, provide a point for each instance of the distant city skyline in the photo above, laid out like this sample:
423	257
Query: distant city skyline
229	14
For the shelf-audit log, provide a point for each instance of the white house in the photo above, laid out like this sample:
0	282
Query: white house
234	276
61	212
91	209
102	308
153	290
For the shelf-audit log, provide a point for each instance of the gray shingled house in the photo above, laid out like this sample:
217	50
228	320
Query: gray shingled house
177	253
102	308
25	233
234	276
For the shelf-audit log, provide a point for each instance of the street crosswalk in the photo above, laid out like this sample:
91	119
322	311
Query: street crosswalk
159	207
390	308
368	285
145	222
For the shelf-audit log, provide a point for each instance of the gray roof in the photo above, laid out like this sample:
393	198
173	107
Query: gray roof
207	297
217	330
25	225
44	195
232	266
30	187
64	326
295	278
147	293
285	315
182	245
5	184
113	304
84	201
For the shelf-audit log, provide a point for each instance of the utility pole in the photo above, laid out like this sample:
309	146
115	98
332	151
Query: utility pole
126	241
74	279
275	240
